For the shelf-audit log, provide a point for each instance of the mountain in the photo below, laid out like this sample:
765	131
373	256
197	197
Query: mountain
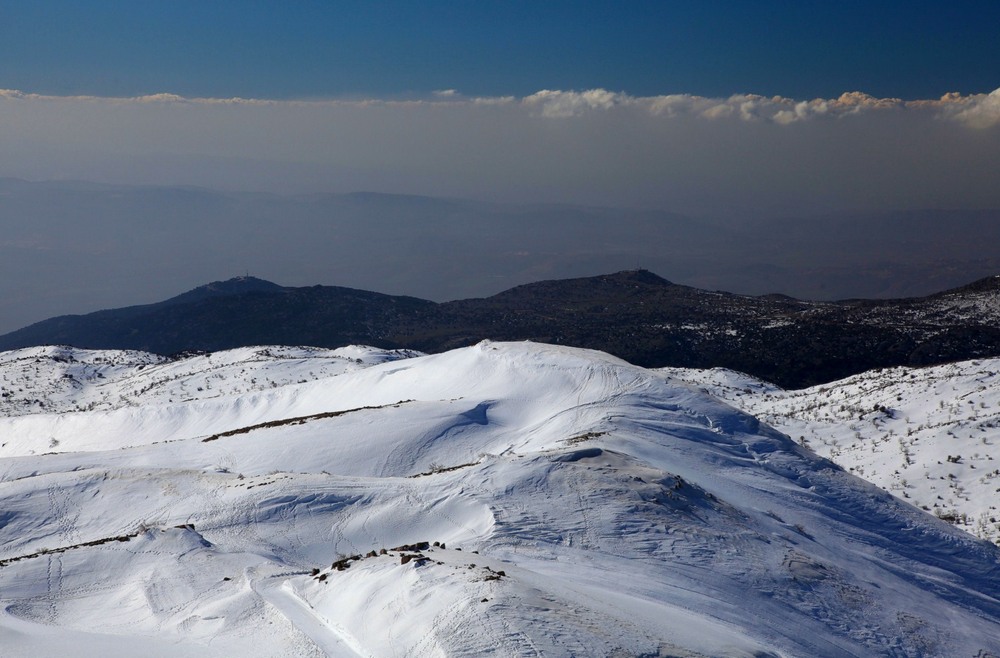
240	285
530	500
635	315
231	314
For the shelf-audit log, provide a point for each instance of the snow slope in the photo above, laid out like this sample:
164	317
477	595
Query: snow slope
928	435
58	379
573	504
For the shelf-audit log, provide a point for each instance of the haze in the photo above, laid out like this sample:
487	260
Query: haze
725	157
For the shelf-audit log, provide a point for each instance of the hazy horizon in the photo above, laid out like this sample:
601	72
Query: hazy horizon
743	154
80	247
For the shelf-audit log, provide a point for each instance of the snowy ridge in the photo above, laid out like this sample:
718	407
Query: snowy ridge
928	435
571	504
58	379
976	303
980	300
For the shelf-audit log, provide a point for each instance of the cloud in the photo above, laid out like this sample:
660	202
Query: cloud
976	110
494	100
982	111
562	104
677	104
159	98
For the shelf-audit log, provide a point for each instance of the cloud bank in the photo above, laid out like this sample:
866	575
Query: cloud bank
975	110
746	153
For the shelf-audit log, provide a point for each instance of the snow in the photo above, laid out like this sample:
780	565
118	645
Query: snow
580	506
926	435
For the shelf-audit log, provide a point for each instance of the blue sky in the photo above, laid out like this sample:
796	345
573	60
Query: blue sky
327	49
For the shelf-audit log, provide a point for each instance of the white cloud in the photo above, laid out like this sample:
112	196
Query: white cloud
494	100
678	104
159	98
718	111
982	111
563	104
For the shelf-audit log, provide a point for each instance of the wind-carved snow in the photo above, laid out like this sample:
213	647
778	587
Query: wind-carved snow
927	435
502	499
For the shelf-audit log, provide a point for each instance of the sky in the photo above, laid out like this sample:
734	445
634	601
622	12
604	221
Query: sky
722	110
312	49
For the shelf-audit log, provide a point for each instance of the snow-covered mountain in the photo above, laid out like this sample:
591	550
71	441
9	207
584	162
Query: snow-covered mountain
504	499
927	435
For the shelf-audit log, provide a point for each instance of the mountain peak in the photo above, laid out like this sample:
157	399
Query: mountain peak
640	276
236	286
242	283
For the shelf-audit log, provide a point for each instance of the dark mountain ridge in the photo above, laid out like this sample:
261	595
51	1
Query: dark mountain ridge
636	315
